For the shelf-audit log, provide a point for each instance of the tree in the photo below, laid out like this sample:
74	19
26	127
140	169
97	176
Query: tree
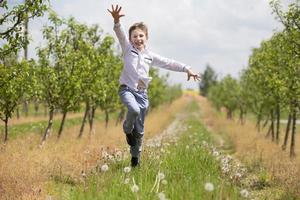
12	35
209	79
15	81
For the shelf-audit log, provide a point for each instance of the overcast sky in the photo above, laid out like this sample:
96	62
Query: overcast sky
220	33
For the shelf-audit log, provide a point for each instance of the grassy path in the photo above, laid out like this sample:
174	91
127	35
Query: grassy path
175	165
26	168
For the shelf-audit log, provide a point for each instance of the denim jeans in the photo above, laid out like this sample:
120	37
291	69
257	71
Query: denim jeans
137	104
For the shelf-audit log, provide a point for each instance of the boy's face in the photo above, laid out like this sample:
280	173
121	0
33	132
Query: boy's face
138	39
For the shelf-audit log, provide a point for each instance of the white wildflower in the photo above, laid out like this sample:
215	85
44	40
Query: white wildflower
162	196
127	170
164	182
161	176
244	193
104	168
135	188
209	187
126	181
187	146
83	174
215	153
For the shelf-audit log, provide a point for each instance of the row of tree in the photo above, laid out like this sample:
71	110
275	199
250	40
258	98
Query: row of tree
270	86
78	66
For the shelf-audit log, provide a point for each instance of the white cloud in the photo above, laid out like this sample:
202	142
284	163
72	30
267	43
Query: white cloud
221	33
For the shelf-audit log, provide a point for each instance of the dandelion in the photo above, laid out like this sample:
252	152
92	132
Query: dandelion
187	146
215	153
127	170
244	193
164	182
161	176
135	188
162	196
126	181
83	174
209	187
104	168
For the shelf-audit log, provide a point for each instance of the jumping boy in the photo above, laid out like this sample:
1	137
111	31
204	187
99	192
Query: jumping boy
135	79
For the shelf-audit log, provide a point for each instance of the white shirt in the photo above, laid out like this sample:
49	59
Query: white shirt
137	63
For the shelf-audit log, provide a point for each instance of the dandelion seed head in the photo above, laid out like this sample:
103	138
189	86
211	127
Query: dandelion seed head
83	174
126	181
244	193
215	153
161	176
127	170
164	182
135	188
209	187
104	168
162	196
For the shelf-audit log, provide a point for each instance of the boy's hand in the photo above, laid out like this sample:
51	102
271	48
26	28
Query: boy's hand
190	73
115	13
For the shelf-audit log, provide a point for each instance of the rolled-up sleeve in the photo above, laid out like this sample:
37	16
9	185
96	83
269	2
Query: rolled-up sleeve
166	63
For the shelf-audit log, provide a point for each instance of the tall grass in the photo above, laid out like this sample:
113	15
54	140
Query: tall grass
178	169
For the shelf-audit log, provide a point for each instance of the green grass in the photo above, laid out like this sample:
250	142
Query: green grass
186	164
40	126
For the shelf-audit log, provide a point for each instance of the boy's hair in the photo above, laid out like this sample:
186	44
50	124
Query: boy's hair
139	25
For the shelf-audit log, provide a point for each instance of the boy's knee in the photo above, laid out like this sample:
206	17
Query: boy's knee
135	111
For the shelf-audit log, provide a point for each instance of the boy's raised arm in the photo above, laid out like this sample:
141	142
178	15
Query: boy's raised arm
121	35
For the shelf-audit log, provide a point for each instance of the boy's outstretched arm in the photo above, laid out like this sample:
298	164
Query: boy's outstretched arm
115	13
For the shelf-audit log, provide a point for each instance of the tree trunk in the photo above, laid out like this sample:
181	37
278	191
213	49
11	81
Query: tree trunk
48	129
46	110
61	125
91	119
287	132
87	108
258	121
278	123
120	117
106	118
5	128
271	129
229	114
18	112
36	107
25	108
242	116
292	149
272	125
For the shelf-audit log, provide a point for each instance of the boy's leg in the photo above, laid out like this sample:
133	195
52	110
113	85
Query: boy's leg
133	109
138	130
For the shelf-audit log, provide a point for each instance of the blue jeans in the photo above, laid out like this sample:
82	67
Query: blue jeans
137	105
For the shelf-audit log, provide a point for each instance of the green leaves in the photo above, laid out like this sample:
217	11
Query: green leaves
12	19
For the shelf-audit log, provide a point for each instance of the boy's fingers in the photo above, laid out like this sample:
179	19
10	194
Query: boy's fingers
118	10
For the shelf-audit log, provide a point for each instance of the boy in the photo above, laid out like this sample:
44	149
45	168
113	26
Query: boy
135	79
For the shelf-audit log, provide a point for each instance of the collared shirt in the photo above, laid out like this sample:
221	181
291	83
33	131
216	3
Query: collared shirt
137	63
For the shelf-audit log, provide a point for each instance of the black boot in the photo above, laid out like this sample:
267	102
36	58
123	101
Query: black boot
131	140
134	161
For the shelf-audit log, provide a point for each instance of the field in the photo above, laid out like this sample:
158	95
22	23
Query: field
190	152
